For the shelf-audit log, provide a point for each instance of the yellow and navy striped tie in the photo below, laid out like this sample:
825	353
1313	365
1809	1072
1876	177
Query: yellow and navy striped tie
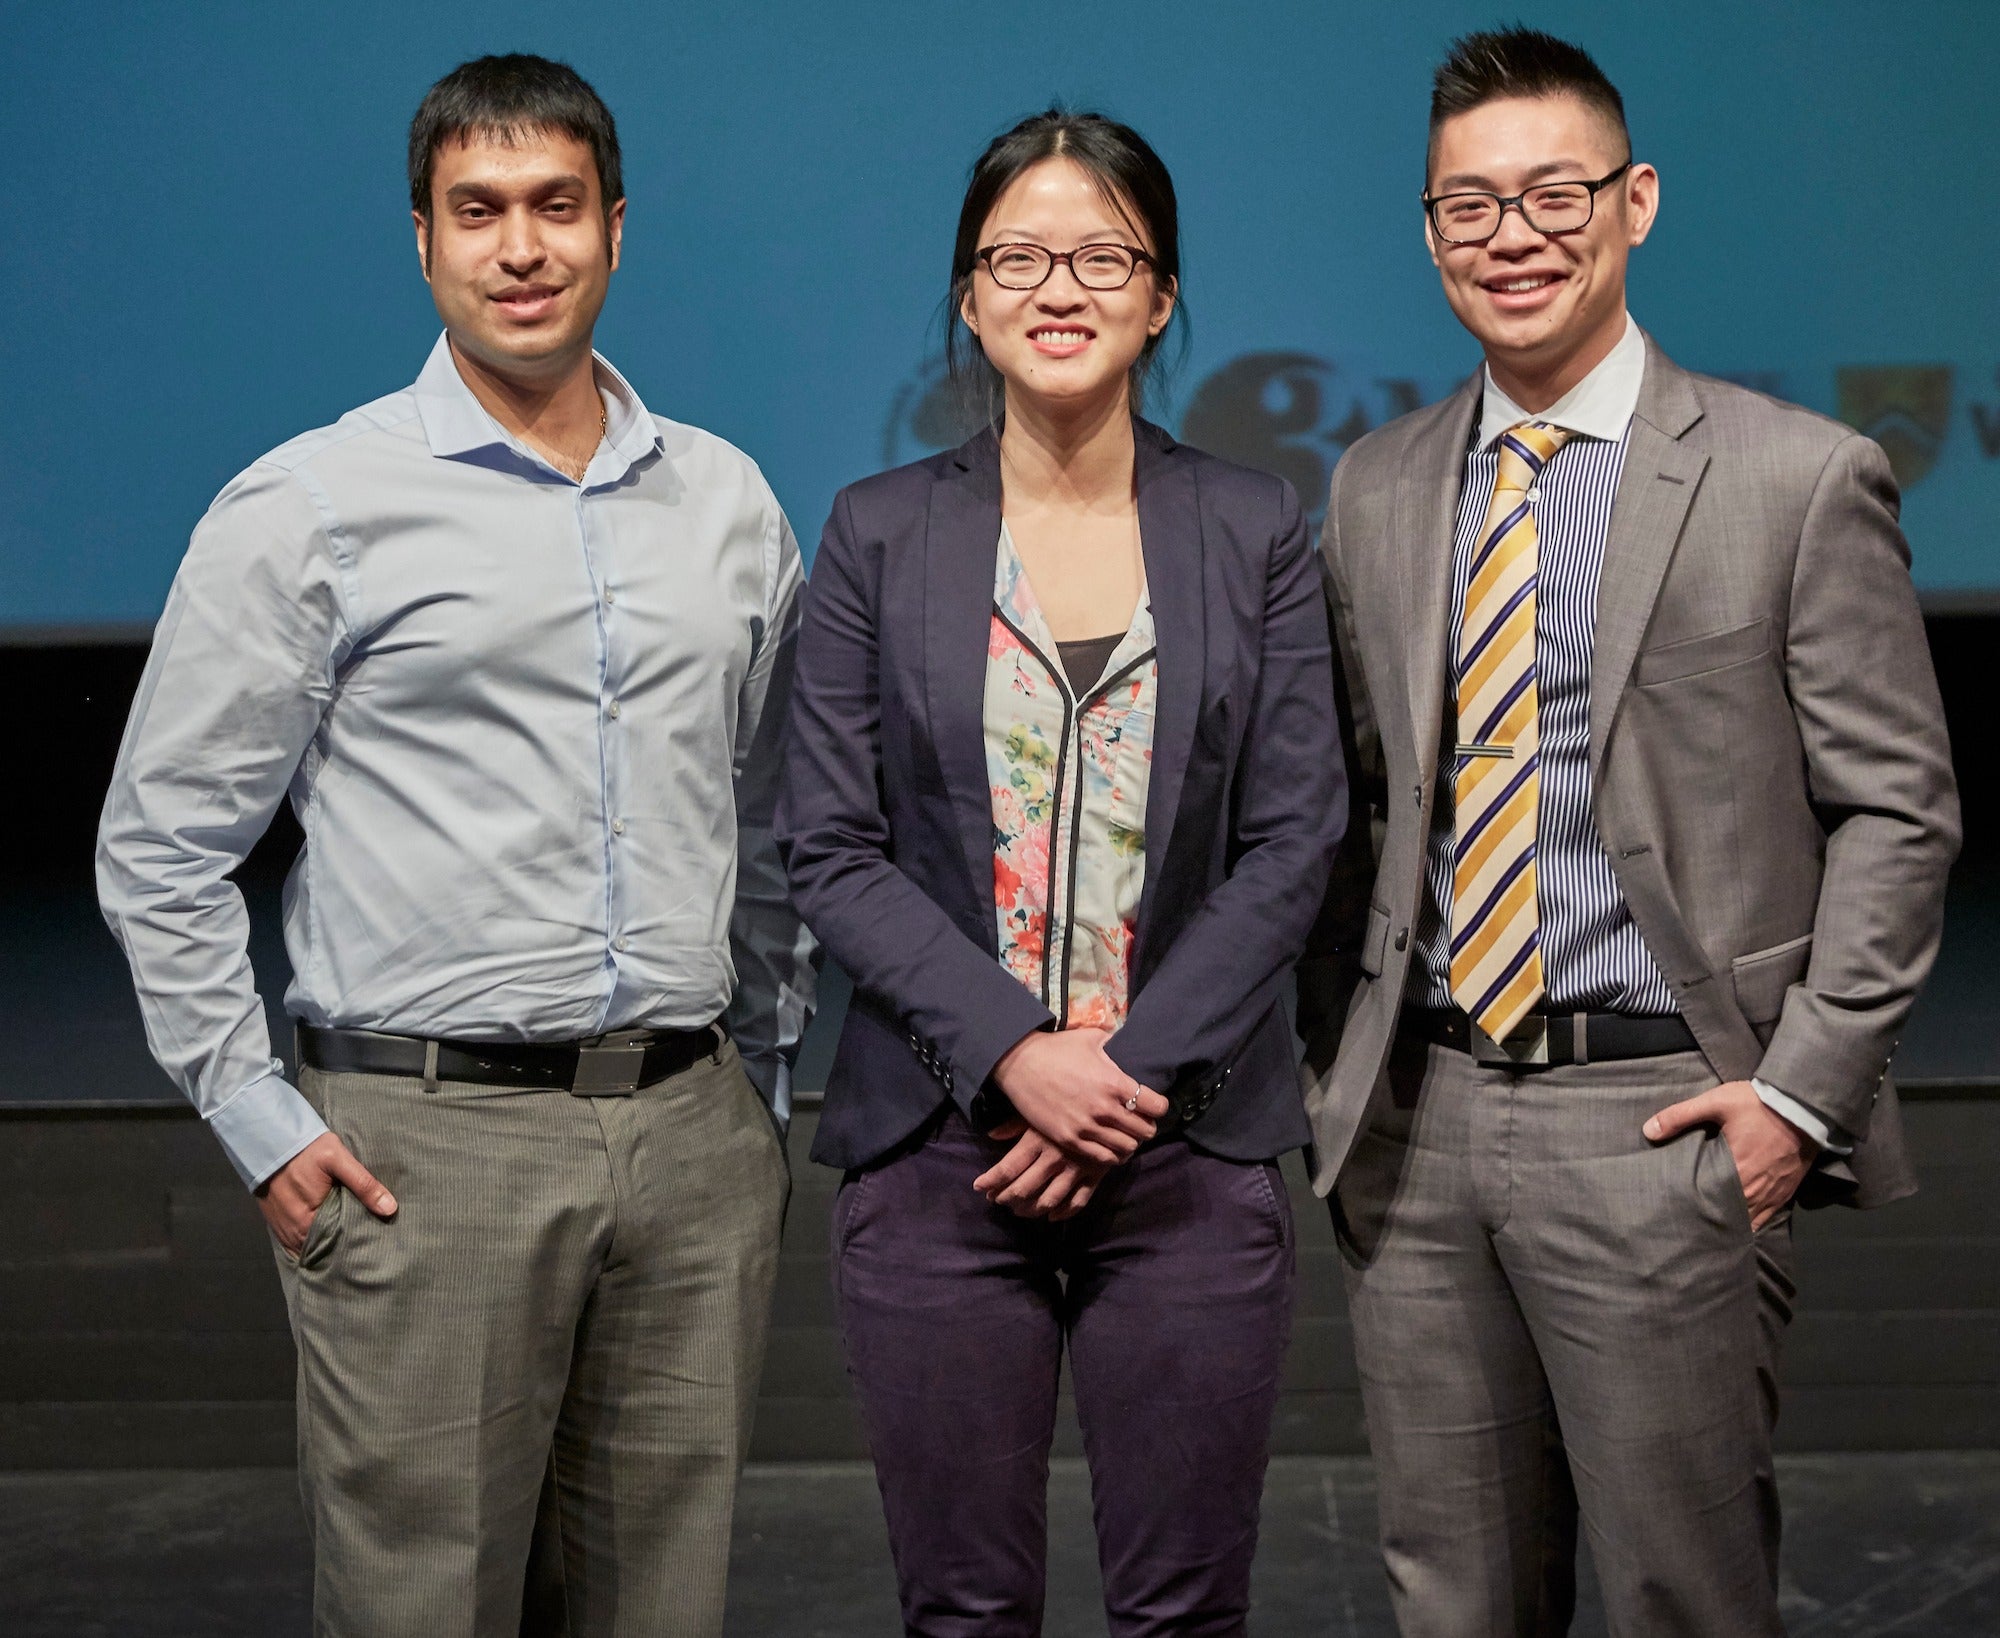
1496	930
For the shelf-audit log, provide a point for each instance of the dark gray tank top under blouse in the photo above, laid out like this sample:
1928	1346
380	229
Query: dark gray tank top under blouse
1084	660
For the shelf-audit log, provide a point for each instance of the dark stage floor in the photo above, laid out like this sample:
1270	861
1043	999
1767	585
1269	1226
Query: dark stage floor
1875	1545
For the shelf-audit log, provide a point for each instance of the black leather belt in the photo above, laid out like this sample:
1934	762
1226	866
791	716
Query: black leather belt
605	1066
1554	1038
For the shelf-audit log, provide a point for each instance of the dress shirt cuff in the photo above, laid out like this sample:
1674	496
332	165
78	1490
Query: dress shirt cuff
264	1125
772	1077
1809	1121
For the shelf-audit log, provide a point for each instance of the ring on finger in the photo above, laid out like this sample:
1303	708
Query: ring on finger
1132	1104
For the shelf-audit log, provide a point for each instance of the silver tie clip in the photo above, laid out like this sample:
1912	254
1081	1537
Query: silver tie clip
1504	751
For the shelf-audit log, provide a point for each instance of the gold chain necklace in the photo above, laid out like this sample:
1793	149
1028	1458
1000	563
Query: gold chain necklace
583	466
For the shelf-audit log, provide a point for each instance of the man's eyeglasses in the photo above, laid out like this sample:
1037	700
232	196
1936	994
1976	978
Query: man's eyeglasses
1095	267
1547	208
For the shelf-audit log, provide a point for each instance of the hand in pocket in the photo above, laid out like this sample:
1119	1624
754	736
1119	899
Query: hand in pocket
291	1196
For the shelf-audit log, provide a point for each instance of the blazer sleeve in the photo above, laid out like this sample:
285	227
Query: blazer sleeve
894	941
1879	772
1289	808
1331	966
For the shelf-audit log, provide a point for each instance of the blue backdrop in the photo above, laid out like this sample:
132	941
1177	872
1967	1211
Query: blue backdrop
210	250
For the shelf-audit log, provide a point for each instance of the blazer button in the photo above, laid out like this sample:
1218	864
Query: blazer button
1402	938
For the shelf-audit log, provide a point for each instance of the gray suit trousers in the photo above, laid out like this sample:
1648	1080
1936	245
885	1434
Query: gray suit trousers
565	1317
1554	1317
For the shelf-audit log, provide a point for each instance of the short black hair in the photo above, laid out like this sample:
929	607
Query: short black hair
1134	181
505	99
1521	62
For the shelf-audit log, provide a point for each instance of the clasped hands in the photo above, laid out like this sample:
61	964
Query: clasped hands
1080	1115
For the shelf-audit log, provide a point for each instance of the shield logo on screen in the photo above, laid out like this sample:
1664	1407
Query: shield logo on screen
1906	408
1291	414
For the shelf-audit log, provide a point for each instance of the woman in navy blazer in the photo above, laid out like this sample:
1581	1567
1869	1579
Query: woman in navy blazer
1063	789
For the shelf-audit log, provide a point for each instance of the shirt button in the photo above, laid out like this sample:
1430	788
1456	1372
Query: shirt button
1535	494
610	597
612	711
621	945
618	827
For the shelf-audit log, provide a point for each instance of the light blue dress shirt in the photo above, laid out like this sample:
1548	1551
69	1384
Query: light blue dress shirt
530	727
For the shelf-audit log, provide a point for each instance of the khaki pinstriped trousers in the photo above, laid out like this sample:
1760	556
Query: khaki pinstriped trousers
574	1290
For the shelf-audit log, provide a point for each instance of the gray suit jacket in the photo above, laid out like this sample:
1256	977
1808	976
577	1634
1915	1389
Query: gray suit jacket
1768	755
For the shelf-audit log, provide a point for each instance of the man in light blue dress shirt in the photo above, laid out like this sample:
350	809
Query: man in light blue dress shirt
517	651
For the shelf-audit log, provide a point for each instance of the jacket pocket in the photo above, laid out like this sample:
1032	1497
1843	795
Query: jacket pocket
1693	656
1375	941
1762	977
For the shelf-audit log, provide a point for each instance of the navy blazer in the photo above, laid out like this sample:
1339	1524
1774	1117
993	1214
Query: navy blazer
885	822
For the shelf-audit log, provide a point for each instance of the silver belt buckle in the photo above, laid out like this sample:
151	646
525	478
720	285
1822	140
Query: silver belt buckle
609	1066
1527	1043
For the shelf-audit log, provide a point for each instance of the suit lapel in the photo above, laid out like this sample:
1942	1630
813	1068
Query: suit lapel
1426	521
1657	486
961	545
1654	493
1170	538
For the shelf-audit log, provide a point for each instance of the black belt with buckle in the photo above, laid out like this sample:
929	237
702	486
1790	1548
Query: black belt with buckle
1554	1038
605	1066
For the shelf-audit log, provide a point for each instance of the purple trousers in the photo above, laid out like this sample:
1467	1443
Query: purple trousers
1173	1293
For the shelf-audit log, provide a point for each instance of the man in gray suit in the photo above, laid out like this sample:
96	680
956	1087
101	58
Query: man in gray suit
1661	813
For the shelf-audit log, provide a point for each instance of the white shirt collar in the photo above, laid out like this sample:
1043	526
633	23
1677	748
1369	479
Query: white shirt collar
1598	406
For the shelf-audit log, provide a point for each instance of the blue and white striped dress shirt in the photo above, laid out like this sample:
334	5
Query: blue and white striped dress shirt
530	727
1594	958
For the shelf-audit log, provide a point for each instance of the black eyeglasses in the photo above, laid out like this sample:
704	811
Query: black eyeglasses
1547	208
1095	267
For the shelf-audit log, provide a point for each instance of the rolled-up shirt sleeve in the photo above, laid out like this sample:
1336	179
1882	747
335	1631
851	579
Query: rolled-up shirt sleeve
241	674
775	957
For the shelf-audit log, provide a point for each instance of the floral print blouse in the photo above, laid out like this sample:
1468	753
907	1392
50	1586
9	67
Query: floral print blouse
1068	780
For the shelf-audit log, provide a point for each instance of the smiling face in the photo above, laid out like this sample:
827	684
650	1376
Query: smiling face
1062	345
1544	307
519	251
